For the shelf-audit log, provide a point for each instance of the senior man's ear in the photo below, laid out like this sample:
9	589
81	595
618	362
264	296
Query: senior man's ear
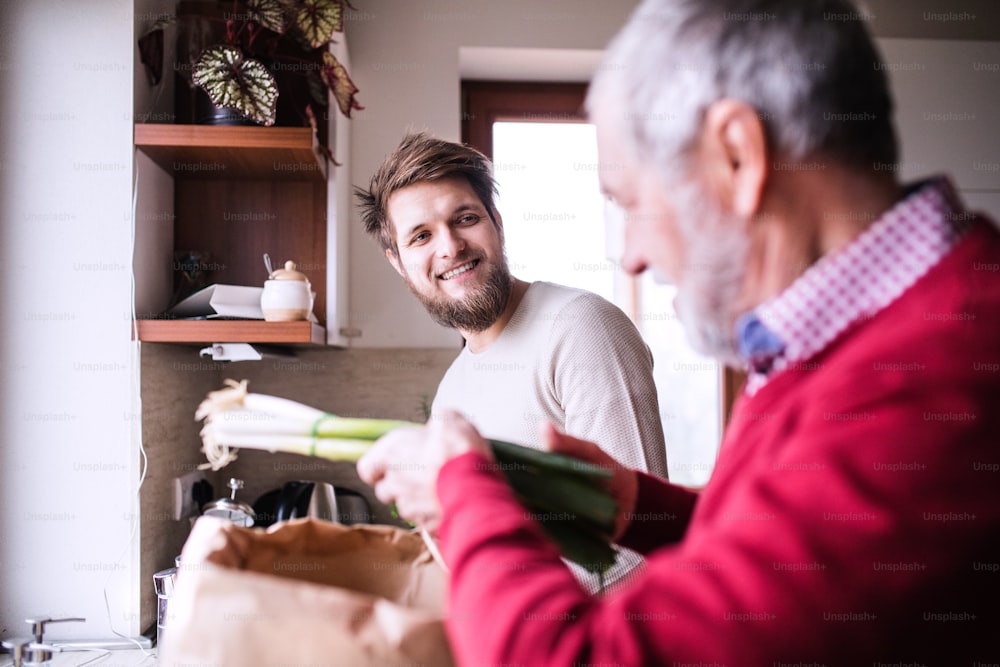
735	144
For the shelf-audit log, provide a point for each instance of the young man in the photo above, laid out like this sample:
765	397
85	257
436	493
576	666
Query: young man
853	517
535	353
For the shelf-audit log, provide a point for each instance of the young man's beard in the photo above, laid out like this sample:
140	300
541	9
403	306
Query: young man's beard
477	311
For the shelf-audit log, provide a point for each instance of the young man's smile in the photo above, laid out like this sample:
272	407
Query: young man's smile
461	272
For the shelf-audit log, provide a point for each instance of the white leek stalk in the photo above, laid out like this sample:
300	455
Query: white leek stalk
235	418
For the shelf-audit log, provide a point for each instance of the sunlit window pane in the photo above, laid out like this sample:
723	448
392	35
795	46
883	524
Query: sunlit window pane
551	204
688	385
554	223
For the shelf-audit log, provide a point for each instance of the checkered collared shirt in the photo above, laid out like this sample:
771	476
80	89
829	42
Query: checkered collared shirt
853	283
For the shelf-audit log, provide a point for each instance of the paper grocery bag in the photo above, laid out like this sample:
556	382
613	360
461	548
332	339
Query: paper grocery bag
305	592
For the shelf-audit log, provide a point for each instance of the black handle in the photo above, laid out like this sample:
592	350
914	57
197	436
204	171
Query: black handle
352	507
293	501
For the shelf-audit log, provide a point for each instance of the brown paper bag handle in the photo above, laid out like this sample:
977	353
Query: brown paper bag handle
432	547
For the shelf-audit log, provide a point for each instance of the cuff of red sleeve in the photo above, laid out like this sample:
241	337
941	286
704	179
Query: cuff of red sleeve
660	516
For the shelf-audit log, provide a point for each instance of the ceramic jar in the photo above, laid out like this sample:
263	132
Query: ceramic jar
287	295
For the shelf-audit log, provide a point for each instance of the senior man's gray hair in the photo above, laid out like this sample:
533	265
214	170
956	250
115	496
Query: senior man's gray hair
808	67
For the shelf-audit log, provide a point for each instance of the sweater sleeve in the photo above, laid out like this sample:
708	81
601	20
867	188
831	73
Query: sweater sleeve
602	379
661	515
497	553
602	376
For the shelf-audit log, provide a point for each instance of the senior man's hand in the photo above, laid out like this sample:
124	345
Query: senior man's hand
403	465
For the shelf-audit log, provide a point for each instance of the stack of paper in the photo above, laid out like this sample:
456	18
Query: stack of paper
222	301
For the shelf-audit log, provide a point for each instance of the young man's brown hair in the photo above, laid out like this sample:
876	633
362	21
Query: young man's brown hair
420	158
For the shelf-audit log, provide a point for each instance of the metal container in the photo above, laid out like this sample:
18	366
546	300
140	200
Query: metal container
307	499
231	509
163	582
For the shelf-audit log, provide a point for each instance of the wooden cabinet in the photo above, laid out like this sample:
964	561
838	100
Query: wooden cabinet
240	192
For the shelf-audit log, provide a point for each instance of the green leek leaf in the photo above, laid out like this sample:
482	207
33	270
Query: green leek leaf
584	547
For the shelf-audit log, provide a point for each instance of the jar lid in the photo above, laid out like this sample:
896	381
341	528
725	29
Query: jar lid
288	273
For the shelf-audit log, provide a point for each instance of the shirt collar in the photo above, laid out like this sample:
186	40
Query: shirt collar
852	283
757	345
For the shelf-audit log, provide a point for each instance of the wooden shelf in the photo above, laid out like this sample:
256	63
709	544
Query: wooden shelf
230	331
233	152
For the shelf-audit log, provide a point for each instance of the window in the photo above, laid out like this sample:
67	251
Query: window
545	162
551	204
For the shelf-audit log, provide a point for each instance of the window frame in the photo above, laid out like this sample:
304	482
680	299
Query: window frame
486	102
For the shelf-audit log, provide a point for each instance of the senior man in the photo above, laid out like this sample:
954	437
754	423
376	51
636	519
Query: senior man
853	517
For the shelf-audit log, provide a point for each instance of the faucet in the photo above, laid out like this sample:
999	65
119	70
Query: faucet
33	650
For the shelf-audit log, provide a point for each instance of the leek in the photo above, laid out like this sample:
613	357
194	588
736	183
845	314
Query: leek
567	496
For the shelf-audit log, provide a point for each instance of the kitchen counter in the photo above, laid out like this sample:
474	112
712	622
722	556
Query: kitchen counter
97	658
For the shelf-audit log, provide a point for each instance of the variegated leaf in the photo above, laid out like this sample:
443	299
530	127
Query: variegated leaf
336	78
318	20
267	13
235	82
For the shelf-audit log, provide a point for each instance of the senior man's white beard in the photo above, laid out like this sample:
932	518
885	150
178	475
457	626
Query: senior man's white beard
710	283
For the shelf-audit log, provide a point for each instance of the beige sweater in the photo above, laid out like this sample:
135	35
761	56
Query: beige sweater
569	357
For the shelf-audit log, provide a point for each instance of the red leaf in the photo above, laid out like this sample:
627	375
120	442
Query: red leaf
336	78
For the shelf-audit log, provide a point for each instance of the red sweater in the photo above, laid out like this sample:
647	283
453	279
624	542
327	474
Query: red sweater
853	517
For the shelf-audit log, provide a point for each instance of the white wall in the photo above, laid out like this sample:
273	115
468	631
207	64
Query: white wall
405	60
948	97
68	459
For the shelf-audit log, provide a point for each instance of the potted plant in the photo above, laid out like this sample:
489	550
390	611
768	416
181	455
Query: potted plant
245	55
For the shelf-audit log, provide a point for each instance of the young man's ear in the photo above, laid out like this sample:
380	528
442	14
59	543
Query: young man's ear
499	223
394	260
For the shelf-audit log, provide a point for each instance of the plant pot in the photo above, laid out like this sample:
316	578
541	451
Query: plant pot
206	113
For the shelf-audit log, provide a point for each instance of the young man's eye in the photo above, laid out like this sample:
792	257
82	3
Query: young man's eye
419	238
468	219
